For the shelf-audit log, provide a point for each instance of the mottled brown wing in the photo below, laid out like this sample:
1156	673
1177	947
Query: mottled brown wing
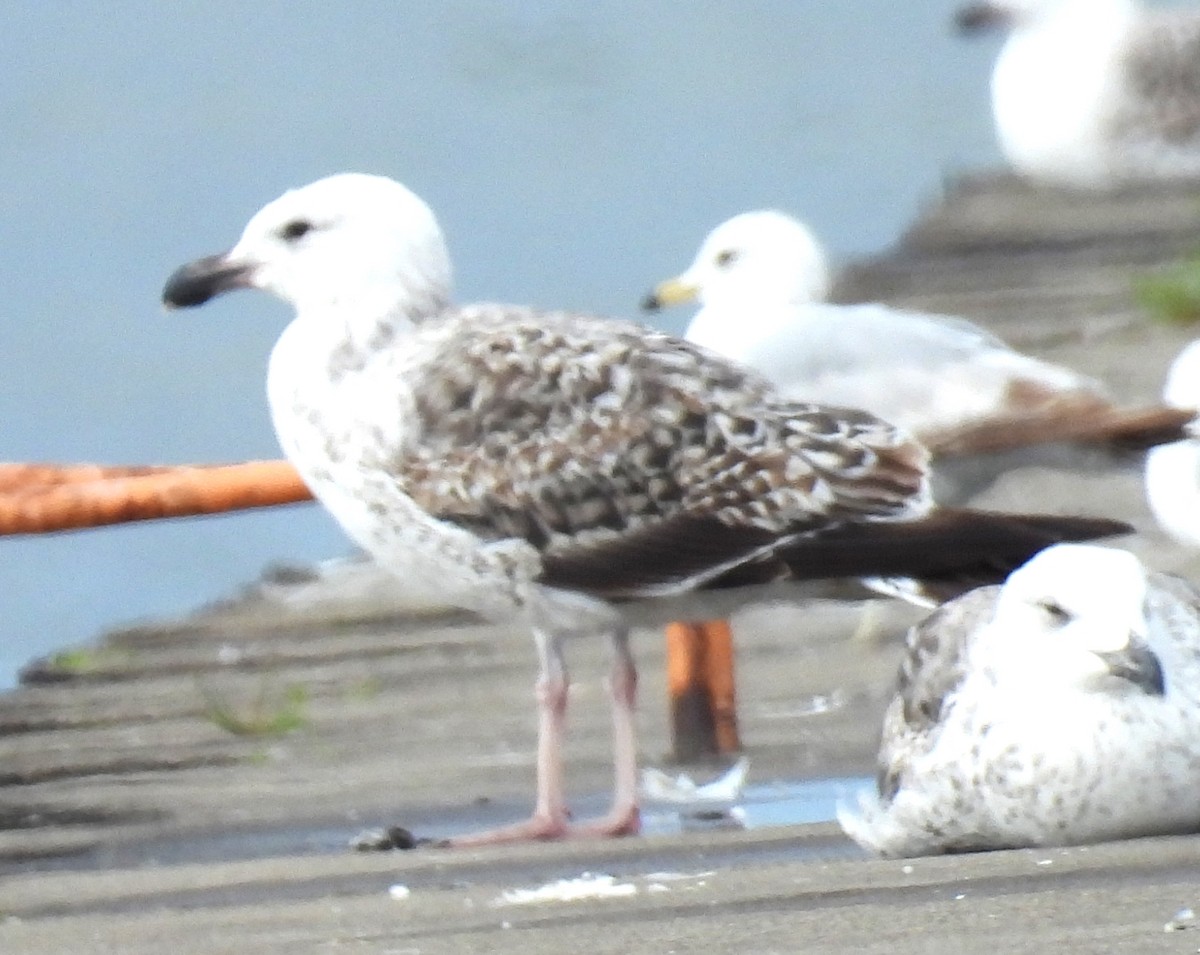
1163	67
934	665
1182	590
935	650
601	442
1173	605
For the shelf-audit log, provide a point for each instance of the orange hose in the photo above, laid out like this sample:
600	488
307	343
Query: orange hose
141	495
19	477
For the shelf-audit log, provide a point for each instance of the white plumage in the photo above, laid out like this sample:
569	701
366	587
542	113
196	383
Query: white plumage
1094	93
533	464
1060	708
1173	470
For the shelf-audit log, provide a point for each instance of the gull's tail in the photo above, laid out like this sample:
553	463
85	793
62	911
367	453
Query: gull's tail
1090	424
949	552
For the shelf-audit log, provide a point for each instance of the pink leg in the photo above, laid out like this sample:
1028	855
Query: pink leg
550	815
623	818
550	819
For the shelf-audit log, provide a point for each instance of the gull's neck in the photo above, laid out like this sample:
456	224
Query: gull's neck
336	365
733	328
351	327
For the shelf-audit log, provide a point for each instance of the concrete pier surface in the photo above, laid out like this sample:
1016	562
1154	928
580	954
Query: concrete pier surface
190	786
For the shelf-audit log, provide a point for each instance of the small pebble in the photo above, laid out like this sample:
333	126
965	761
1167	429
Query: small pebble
384	840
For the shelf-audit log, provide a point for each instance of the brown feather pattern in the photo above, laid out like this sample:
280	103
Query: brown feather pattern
931	670
1164	72
574	433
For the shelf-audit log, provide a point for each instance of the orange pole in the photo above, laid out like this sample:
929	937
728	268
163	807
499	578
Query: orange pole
44	498
22	476
139	496
719	680
700	689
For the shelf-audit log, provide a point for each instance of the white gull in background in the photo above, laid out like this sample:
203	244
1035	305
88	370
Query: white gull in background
761	278
1093	93
566	470
1060	708
1173	470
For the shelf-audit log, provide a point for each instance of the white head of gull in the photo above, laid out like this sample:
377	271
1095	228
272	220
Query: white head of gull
761	259
552	466
1094	93
1060	708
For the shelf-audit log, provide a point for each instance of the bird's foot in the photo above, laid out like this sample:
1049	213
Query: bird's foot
620	821
537	828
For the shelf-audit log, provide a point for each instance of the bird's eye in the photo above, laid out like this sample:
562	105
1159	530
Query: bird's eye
1058	615
296	229
726	258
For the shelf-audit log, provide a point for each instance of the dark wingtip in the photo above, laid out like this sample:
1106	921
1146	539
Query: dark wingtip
197	282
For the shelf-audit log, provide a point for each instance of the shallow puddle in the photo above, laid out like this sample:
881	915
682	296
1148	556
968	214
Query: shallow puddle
762	805
780	803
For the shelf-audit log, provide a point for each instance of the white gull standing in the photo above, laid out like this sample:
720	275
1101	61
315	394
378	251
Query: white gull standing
761	278
1173	470
1094	93
1060	708
553	467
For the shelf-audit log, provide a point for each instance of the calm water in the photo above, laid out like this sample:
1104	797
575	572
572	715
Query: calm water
575	154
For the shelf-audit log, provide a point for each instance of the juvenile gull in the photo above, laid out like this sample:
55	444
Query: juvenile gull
761	278
1173	470
1093	93
550	466
1060	708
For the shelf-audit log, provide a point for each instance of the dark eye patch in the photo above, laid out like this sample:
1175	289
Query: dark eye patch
1058	615
726	258
296	229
